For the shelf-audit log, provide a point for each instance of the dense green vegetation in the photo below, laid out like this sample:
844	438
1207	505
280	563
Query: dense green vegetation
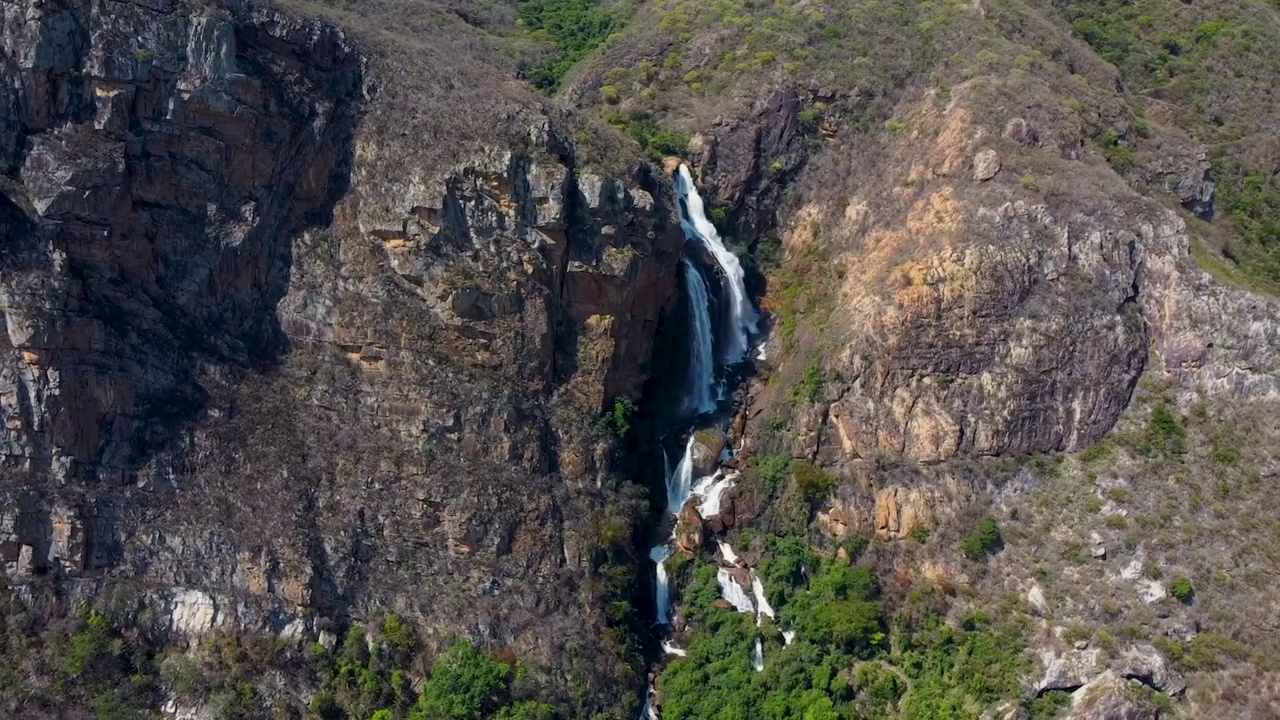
851	657
573	28
643	128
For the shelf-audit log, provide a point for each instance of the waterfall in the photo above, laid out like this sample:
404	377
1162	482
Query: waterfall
757	656
661	588
647	712
693	219
702	364
670	649
730	590
757	589
726	550
680	481
712	490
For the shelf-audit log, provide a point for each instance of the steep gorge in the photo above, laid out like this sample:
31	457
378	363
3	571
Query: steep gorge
306	322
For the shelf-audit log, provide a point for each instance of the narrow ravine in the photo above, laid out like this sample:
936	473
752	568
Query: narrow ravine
730	333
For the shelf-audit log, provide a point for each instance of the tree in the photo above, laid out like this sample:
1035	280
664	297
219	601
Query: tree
984	541
464	685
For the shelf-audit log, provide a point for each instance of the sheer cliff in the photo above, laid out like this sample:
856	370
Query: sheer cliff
302	323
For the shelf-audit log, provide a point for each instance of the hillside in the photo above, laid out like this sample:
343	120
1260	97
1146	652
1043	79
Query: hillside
348	344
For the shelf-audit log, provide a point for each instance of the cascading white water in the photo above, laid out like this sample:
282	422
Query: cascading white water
757	656
661	588
762	604
730	590
693	219
702	363
680	481
726	550
713	493
702	397
647	712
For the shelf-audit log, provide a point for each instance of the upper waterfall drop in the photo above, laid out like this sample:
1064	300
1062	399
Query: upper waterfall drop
743	318
702	362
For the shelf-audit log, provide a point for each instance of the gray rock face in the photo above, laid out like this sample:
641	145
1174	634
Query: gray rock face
1071	669
282	339
747	162
1145	664
1110	697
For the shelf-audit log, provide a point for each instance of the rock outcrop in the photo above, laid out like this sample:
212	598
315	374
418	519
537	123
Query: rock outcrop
1110	697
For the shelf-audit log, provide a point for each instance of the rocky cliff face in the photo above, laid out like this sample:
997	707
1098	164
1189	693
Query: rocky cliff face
976	318
293	331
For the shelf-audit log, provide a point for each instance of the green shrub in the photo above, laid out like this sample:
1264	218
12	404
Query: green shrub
619	417
397	633
773	468
812	482
920	534
1182	589
983	541
526	710
1164	434
668	142
1117	152
464	685
811	382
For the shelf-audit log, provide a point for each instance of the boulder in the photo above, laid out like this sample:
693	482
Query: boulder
689	532
985	165
708	445
1182	629
1037	602
1111	697
725	519
1145	664
1070	669
1022	131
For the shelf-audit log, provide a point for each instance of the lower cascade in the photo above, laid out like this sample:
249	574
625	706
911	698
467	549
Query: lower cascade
739	585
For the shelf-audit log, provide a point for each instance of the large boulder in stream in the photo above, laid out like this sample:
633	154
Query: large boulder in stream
708	445
689	531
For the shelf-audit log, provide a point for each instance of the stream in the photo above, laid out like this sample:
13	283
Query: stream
729	330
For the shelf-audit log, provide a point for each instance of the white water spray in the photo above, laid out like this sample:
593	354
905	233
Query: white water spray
702	362
680	481
661	589
713	494
757	589
693	219
726	550
757	656
730	590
